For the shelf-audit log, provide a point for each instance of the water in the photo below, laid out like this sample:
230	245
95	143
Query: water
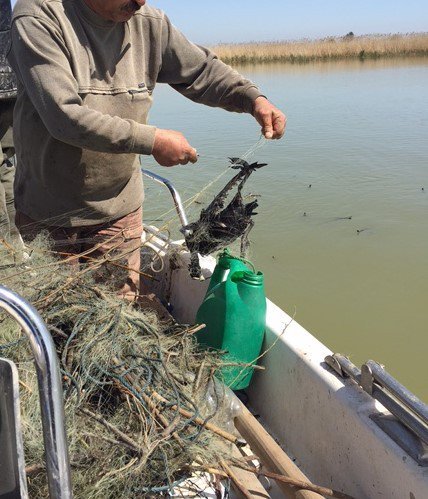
358	135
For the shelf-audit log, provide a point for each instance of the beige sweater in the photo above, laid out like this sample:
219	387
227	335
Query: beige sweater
85	90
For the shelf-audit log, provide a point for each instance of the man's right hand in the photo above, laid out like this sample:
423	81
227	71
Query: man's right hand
171	148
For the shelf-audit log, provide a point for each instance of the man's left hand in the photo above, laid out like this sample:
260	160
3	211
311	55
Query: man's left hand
271	119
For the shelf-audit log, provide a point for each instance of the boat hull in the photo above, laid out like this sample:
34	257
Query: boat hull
321	420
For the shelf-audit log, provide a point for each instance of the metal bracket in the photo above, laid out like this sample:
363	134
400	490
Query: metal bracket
332	362
409	413
367	379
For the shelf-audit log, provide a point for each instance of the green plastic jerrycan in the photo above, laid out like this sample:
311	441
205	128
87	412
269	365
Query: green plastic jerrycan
234	312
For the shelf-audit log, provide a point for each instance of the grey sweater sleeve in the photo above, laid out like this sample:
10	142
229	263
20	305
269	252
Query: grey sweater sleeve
197	74
39	58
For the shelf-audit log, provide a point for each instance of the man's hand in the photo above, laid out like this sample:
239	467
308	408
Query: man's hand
171	148
271	119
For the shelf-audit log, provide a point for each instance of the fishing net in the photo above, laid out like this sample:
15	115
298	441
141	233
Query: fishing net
140	398
135	387
225	219
218	225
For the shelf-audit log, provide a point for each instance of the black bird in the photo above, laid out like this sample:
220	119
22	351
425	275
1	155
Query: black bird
219	226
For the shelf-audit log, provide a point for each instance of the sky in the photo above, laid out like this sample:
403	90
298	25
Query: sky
211	22
223	21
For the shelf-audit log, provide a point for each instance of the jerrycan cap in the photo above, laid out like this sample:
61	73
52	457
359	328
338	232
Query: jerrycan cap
224	262
248	277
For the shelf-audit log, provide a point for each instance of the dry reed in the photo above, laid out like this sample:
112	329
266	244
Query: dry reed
347	47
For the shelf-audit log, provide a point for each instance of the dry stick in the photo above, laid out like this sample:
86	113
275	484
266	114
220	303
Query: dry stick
109	440
324	491
58	331
203	468
112	428
162	419
69	359
32	469
195	329
252	481
198	377
249	459
279	478
209	426
245	493
117	472
8	246
271	454
241	488
25	386
168	426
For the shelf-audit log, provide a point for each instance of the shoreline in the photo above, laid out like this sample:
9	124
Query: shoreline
327	49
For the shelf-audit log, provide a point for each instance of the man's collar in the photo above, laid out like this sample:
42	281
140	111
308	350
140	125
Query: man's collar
92	16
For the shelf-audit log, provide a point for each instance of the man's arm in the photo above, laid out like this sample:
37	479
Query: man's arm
199	75
39	58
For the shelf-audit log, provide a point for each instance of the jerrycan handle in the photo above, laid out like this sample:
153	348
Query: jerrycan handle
226	255
223	269
227	266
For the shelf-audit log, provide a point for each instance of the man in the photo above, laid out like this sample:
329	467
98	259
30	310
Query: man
86	71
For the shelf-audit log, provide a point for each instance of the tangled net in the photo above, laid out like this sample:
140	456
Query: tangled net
126	376
219	226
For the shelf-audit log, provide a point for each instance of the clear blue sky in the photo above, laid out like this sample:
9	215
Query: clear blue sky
210	22
206	21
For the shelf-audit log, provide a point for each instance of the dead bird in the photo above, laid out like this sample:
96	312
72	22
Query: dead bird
218	226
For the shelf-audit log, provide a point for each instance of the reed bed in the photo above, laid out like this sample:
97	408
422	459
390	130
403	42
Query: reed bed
346	47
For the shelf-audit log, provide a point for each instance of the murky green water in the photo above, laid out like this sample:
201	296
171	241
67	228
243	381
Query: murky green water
358	134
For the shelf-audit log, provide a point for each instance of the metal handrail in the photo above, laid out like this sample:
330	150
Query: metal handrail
399	391
374	380
175	196
50	391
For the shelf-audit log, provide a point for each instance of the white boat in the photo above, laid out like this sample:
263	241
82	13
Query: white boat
323	411
339	434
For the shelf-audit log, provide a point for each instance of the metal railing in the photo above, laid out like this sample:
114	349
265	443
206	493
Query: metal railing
175	196
50	391
399	401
